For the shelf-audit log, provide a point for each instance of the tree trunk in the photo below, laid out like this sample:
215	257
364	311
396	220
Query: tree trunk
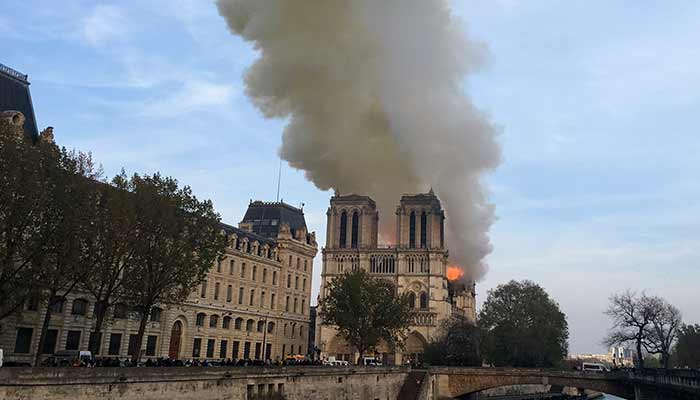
95	344
139	337
640	359
44	328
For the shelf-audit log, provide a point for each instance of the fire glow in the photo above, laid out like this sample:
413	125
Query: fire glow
454	273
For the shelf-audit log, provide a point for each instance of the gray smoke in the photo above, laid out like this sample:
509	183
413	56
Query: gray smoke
373	93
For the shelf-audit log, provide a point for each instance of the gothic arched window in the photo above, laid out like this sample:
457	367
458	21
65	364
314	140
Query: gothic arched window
423	300
423	229
355	229
412	299
412	231
343	229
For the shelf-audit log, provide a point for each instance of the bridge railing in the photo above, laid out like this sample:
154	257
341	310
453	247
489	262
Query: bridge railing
672	377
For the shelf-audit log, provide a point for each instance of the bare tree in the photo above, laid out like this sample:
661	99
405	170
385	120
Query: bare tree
632	321
663	331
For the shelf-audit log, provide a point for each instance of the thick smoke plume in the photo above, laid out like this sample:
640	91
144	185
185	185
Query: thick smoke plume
372	90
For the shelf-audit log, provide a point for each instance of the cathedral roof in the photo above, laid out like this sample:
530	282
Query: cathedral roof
352	198
266	217
14	95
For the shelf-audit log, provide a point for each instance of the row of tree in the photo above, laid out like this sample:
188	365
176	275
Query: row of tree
138	240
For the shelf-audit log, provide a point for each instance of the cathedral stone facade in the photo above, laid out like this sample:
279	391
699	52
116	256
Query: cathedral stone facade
253	305
416	264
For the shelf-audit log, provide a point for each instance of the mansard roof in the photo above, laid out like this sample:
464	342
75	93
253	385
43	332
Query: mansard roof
267	217
14	95
241	233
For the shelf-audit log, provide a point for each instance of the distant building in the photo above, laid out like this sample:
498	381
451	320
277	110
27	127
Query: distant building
416	264
15	96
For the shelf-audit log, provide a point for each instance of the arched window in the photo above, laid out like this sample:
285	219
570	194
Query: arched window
249	325
412	299
442	232
227	323
355	230
412	230
79	307
155	314
213	321
270	327
261	326
423	229
238	324
120	311
343	229
423	300
200	319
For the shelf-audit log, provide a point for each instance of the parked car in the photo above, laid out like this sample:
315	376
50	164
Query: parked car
67	358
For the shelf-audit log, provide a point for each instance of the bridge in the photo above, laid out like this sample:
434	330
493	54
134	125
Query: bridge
463	383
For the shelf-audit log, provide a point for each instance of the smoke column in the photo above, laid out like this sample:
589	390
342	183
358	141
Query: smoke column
372	90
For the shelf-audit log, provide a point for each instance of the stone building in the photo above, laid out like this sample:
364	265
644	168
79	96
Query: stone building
416	264
254	303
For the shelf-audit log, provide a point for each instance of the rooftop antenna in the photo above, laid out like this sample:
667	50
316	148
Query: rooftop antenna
279	179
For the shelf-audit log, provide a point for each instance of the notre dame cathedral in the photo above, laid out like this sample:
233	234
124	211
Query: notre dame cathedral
417	264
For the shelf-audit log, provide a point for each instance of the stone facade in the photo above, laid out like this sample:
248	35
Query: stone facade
416	264
254	303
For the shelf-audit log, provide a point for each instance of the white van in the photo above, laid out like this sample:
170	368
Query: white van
371	361
595	367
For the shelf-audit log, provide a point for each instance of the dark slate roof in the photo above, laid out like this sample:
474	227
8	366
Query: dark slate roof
421	198
352	198
242	232
14	95
266	217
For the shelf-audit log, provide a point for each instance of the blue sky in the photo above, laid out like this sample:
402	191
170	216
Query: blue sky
597	102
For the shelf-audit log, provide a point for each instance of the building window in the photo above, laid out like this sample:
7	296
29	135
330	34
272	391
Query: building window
262	299
213	321
155	314
217	286
242	270
296	283
355	230
286	304
272	301
79	307
57	305
423	229
32	303
203	292
227	323
261	326
249	325
133	341
210	348
236	349
196	347
200	319
343	229
115	344
258	348
423	300
218	266
301	333
412	230
23	342
239	323
274	277
306	263
303	286
289	281
73	340
246	350
223	349
303	306
50	342
264	275
252	296
151	341
290	262
240	295
120	311
442	232
255	272
295	304
412	299
270	328
229	293
231	266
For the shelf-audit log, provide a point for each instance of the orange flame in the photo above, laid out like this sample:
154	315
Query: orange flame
454	273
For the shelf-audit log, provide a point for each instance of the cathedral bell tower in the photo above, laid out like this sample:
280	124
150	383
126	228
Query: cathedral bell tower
420	222
352	222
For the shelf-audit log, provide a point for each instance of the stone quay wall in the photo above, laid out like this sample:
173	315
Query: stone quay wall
210	383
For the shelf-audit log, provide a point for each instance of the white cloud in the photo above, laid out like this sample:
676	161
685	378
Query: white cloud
104	23
194	96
